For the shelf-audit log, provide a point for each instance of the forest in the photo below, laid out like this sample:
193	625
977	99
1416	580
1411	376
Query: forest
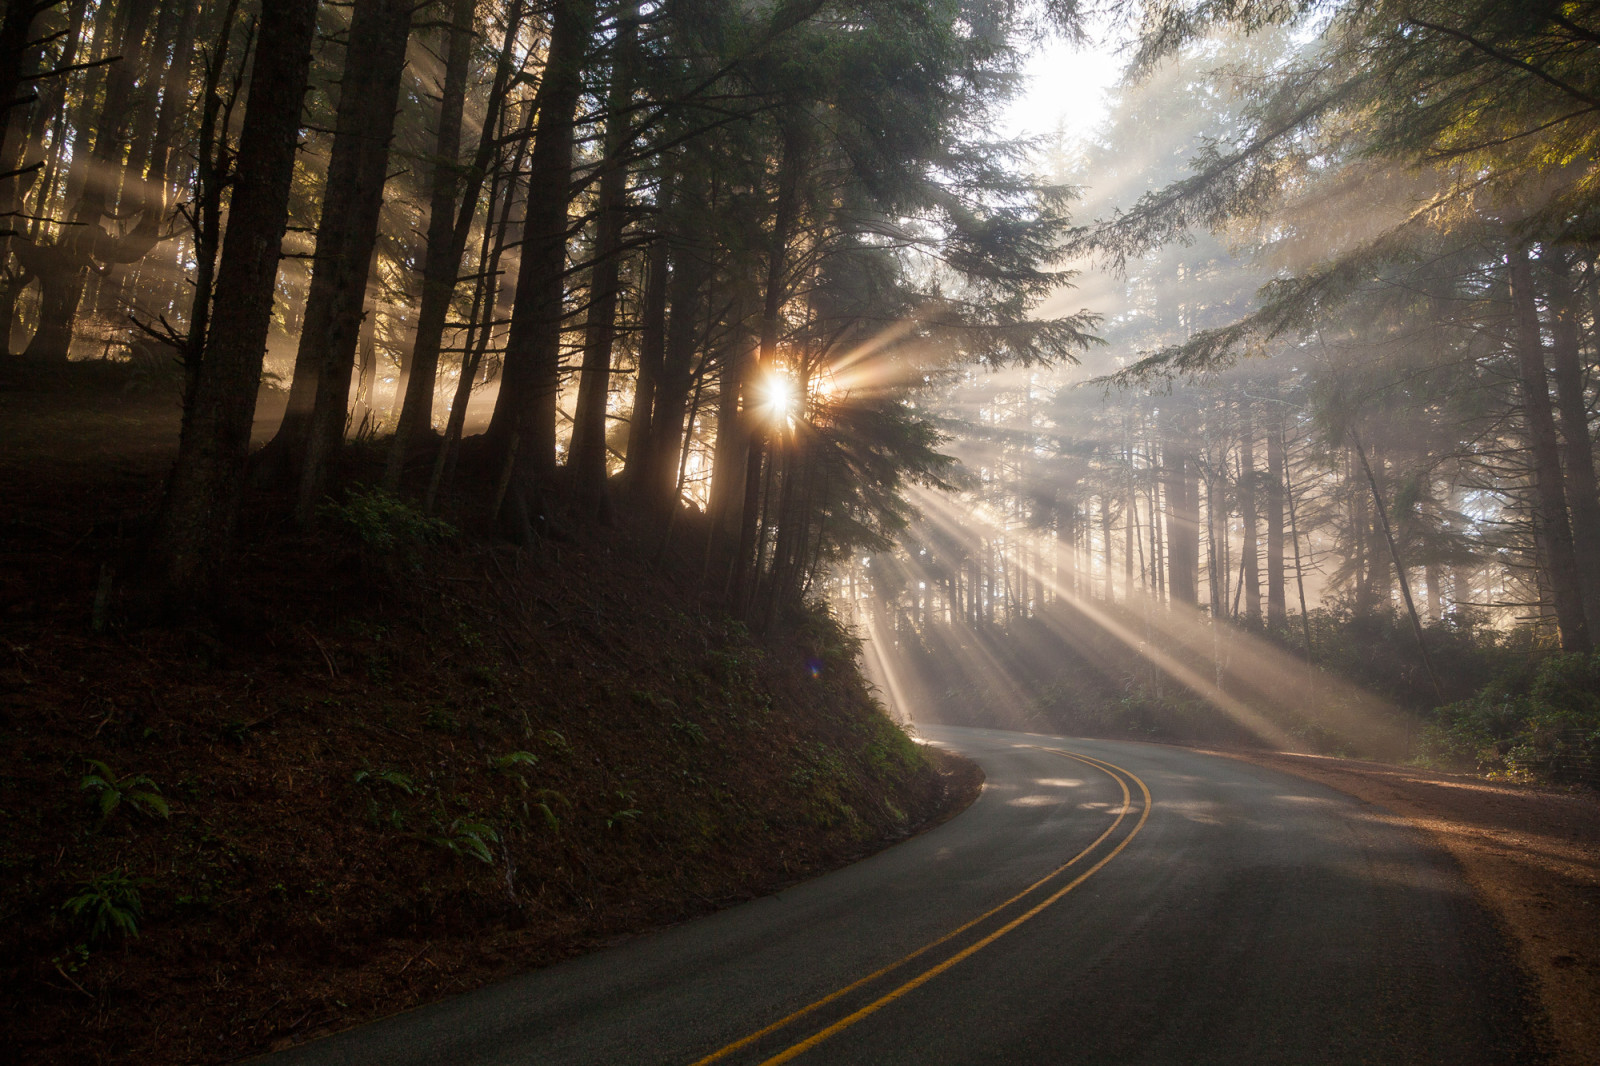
523	422
1328	478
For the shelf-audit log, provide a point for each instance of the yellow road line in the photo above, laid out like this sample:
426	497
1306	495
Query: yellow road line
876	974
929	974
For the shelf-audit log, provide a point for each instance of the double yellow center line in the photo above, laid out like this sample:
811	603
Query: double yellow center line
1116	773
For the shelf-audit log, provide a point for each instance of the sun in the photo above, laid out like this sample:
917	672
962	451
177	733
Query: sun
781	399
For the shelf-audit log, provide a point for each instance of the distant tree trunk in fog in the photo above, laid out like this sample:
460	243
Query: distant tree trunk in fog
587	458
365	411
734	400
203	494
525	408
1362	564
1216	559
1382	511
347	233
1550	502
687	299
441	258
1577	445
63	268
1183	517
1250	547
652	345
1277	607
1108	591
453	205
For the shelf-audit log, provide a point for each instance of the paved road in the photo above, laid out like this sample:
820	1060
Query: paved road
1100	903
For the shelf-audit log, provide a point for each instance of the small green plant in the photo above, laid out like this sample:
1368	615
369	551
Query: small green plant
107	905
689	731
467	836
555	741
541	802
386	780
111	790
391	778
626	814
384	524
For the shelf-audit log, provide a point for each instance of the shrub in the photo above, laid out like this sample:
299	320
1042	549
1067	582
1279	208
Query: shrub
111	789
107	905
384	525
1546	728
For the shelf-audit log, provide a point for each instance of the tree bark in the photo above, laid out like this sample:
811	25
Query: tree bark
1577	445
441	257
1249	559
588	455
652	347
1277	605
203	494
687	301
449	226
347	233
1550	502
531	379
1183	517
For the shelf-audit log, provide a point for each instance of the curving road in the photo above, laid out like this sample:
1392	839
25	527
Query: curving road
1101	902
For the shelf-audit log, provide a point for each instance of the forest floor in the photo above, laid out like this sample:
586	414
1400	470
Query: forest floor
1531	854
384	775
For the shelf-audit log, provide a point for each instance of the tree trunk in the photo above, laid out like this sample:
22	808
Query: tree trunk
357	169
441	259
1577	446
1277	605
652	346
83	241
1183	517
1250	547
526	405
1550	506
203	494
588	455
346	235
687	299
786	210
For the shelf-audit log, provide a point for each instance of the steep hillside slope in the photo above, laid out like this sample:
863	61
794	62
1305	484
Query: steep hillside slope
406	761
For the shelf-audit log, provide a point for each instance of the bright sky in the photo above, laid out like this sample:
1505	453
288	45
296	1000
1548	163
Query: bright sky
1067	86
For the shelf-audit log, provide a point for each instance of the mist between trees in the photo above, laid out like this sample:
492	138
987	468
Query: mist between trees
1330	481
758	276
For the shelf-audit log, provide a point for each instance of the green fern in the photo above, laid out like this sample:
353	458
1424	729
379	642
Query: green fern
107	905
111	790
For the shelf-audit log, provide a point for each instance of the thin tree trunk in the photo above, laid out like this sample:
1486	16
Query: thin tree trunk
1277	607
588	455
652	347
531	378
1249	550
441	257
357	170
1399	568
203	495
1183	520
1550	510
1577	446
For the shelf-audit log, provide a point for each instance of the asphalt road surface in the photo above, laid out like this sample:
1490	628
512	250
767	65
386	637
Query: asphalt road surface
1101	902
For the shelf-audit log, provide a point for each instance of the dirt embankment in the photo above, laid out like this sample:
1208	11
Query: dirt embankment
1531	854
388	775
